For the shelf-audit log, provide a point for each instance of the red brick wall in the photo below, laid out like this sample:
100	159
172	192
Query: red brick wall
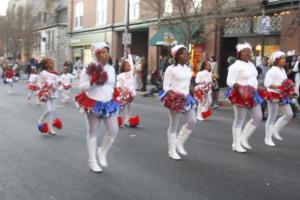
290	35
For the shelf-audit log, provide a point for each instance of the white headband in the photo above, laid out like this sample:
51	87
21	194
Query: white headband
240	47
176	48
275	55
98	46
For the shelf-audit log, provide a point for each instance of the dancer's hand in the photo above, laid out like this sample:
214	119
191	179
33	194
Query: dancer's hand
94	79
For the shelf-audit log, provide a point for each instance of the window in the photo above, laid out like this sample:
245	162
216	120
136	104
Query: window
45	17
40	17
78	15
48	42
53	40
134	6
168	7
197	5
101	12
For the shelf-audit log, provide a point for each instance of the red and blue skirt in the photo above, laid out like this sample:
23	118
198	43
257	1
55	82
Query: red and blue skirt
278	98
177	102
244	96
97	108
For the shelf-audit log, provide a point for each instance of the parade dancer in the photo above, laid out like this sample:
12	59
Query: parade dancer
96	99
126	84
203	91
65	81
176	97
9	78
243	94
279	88
32	84
48	84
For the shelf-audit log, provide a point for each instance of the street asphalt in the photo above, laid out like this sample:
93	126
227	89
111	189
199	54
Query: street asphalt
42	167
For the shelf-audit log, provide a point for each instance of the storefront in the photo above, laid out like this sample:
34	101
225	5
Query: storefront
80	44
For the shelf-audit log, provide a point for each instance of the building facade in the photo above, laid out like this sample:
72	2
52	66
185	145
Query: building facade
50	28
92	21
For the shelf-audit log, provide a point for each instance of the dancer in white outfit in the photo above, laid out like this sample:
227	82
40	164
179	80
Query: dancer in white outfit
66	83
176	97
48	84
32	84
242	80
97	83
278	97
203	91
126	84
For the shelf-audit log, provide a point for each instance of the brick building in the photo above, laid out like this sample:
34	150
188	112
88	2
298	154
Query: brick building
93	21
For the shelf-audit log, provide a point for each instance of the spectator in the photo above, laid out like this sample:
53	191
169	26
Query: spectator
144	74
69	65
215	77
296	70
262	69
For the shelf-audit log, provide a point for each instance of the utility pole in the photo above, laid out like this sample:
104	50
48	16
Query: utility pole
263	39
126	27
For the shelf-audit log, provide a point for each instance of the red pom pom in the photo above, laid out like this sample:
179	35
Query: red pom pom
116	93
57	123
206	114
44	128
120	120
134	121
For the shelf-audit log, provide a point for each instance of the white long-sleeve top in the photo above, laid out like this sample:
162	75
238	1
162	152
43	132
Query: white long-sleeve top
242	73
103	93
50	79
204	76
66	79
33	78
275	76
127	79
177	78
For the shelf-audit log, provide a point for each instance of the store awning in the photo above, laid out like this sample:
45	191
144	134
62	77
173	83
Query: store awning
158	38
86	39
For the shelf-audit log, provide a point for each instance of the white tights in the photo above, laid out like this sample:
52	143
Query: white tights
65	94
175	118
127	112
49	114
30	94
205	104
93	126
240	115
273	111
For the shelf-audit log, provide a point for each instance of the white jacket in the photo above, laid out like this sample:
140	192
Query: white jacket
242	73
127	79
50	79
275	76
103	93
33	78
204	76
66	79
177	78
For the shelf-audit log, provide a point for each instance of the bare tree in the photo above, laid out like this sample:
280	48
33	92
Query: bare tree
17	31
207	16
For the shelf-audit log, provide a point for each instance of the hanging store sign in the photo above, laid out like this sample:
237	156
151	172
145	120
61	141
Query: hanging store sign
168	38
264	25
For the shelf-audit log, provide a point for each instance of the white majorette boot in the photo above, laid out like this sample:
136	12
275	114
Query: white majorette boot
172	146
181	139
107	141
92	147
268	137
236	147
275	133
247	132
